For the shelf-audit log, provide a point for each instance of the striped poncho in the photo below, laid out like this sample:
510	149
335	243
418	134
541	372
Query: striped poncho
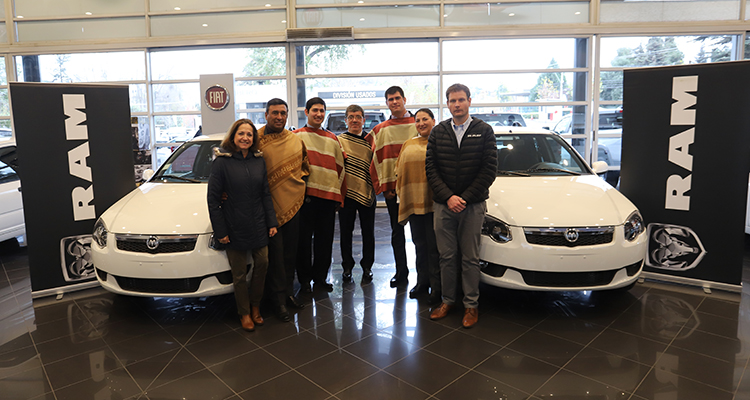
414	193
357	166
326	158
286	162
388	137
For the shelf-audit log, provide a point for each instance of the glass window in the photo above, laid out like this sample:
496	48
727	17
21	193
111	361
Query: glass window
516	14
251	97
193	5
369	17
80	29
177	97
520	88
82	8
369	91
7	174
207	24
242	62
643	51
176	128
659	11
83	67
369	58
514	54
4	103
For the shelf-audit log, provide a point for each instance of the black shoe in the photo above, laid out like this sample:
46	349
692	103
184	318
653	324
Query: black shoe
398	280
282	313
294	303
323	287
417	291
347	276
366	276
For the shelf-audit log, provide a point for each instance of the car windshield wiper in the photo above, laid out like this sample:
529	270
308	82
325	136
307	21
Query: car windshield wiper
552	170
514	173
180	178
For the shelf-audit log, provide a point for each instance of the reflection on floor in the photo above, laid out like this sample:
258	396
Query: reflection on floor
372	342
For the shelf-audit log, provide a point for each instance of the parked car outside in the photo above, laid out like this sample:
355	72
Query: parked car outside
336	121
553	224
11	203
156	240
501	119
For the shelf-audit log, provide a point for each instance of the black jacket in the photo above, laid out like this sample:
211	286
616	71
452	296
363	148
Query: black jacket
467	171
247	214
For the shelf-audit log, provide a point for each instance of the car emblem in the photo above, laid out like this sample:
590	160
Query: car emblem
571	235
152	242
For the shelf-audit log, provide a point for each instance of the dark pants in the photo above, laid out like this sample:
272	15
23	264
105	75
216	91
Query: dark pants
398	239
238	264
347	216
282	260
428	258
317	224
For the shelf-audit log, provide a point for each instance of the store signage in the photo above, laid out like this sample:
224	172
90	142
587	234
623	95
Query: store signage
685	166
217	97
75	147
679	143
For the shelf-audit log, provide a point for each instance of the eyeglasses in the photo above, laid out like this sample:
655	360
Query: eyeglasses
354	118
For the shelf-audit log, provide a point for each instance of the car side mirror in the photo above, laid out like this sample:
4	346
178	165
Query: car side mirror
147	174
600	167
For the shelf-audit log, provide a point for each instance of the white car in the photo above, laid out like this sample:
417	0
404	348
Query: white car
11	204
553	224
156	241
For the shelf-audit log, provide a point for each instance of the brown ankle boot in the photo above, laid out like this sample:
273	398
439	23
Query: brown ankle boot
247	323
256	315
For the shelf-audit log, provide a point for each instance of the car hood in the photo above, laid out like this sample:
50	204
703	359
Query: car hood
161	209
557	201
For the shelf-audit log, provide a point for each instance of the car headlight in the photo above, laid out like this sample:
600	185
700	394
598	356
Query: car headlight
497	230
633	226
100	233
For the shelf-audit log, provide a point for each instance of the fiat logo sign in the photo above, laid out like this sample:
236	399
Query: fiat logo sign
217	97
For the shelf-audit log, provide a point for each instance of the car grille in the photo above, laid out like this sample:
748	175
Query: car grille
168	286
568	279
156	244
559	237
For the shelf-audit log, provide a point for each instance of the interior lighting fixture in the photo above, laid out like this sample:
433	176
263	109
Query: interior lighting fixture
205	25
512	14
19	16
268	5
360	2
361	19
88	12
283	21
578	13
177	9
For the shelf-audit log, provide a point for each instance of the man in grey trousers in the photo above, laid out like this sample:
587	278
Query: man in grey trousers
461	165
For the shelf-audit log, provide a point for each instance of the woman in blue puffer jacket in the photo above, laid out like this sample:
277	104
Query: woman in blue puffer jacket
245	219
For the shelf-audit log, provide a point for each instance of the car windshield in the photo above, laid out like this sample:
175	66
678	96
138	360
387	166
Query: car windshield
190	163
536	154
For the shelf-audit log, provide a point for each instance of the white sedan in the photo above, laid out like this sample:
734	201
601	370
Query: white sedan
11	204
156	241
553	224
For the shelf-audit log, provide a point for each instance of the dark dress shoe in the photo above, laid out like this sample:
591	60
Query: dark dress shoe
471	316
398	280
366	276
282	313
435	298
294	303
323	287
418	290
440	312
347	276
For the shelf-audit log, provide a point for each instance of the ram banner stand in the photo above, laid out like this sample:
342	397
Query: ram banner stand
685	163
76	157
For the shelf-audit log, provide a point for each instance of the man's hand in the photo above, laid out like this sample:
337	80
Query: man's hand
389	194
272	232
224	240
456	204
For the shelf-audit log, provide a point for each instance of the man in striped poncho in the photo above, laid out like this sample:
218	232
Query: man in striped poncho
360	197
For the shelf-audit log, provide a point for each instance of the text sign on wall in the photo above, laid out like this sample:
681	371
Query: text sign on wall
685	164
74	149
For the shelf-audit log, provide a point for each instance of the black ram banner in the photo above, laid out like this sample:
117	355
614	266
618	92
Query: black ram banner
76	159
685	164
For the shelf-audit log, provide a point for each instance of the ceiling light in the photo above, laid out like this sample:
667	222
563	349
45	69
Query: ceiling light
283	22
578	13
361	19
19	16
360	2
205	25
177	9
511	14
88	12
268	5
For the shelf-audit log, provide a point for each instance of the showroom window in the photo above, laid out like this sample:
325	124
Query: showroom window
344	74
618	53
259	73
662	11
5	126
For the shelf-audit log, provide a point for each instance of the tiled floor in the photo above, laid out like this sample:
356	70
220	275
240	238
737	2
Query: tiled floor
657	341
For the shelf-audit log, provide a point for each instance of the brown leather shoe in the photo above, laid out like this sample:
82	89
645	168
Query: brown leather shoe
440	312
471	316
257	318
247	323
